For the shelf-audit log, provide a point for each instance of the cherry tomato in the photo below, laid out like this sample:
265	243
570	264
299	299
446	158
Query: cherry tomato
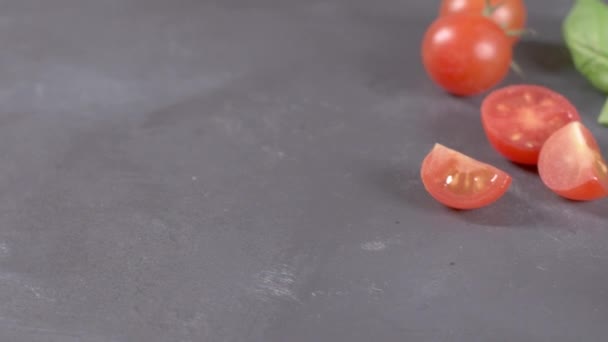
511	15
461	182
519	119
466	54
571	164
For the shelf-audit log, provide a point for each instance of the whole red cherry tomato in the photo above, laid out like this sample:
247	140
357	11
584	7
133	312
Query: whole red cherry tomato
511	15
466	54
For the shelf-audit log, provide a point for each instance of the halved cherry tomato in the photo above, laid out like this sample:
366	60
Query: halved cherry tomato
519	119
511	15
572	166
461	182
466	54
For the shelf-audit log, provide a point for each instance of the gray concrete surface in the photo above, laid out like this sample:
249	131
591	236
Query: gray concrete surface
227	171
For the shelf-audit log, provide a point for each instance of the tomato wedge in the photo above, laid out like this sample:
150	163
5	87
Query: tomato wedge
519	119
461	182
572	166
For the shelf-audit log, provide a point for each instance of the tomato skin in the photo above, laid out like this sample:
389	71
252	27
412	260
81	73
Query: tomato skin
466	54
589	191
460	182
571	165
551	109
511	15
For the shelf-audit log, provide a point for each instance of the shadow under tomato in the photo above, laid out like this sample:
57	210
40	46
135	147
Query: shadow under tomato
545	55
403	183
597	208
530	172
508	211
531	169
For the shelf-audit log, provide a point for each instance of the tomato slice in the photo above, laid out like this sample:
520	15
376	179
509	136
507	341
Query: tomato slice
519	119
461	182
572	166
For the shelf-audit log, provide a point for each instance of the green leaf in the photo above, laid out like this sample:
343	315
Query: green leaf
585	31
603	119
586	35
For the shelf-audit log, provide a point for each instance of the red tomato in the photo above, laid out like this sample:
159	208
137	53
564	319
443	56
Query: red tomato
461	182
519	119
511	15
572	166
466	54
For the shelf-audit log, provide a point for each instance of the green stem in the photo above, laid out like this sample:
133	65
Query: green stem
603	118
522	32
489	9
517	69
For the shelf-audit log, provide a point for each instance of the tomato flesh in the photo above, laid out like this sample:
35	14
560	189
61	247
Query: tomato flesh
466	54
461	182
572	166
511	15
519	119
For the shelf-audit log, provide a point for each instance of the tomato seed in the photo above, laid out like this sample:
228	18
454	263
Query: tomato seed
452	179
547	103
479	184
467	182
502	107
516	136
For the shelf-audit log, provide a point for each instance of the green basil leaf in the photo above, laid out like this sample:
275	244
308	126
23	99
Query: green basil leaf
603	118
585	32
